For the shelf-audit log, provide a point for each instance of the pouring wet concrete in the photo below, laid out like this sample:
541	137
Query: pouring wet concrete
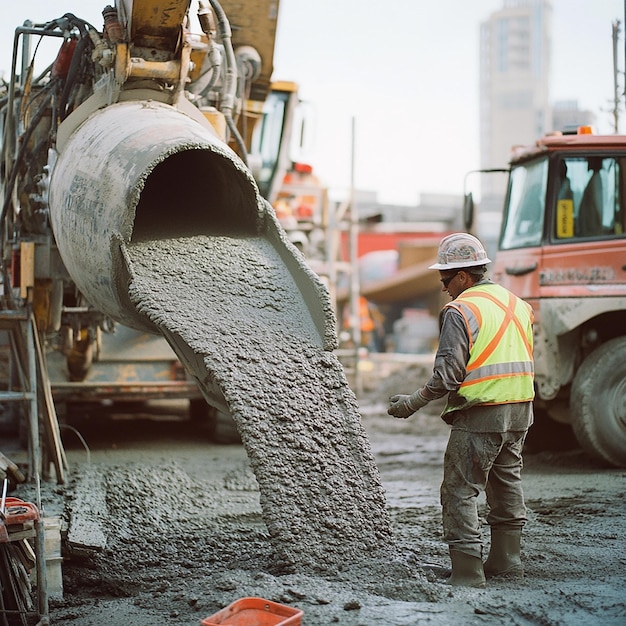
234	314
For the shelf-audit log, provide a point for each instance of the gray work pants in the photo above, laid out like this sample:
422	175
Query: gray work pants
475	462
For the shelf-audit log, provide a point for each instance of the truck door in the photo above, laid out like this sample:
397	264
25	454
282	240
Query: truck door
518	260
587	252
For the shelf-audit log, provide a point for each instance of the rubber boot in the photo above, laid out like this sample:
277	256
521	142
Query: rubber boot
467	570
504	555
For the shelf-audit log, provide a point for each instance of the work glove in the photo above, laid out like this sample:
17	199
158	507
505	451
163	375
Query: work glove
404	406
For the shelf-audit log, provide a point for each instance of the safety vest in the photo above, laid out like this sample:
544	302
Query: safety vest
500	368
365	318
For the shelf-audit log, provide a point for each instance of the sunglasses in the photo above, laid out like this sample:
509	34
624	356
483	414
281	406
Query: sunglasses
448	279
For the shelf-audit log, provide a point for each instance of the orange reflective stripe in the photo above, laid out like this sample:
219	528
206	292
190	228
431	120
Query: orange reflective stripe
495	340
509	316
467	325
475	310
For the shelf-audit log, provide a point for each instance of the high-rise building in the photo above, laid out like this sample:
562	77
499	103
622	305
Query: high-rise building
514	84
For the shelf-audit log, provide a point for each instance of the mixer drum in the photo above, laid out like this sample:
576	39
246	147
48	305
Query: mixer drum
141	170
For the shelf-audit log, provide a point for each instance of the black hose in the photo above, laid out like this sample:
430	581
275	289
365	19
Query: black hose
72	75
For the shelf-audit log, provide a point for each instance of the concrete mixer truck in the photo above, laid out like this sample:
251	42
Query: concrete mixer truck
138	132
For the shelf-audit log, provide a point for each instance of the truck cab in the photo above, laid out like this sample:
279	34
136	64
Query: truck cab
562	248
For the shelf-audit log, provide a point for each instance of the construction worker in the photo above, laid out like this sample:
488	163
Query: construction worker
484	364
369	320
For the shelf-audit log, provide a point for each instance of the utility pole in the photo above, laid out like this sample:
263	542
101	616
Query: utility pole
355	287
616	93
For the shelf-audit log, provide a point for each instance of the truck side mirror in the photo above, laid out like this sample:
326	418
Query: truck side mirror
468	211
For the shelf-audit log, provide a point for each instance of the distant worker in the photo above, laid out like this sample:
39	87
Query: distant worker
365	320
372	330
484	363
377	338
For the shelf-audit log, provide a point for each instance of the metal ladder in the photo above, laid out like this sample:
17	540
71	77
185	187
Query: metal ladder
35	395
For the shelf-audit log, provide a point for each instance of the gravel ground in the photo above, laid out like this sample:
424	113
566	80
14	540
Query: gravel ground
185	535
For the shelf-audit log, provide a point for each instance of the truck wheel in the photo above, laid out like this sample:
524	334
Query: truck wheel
598	403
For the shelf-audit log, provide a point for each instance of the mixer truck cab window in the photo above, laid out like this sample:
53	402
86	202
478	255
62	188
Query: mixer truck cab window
583	204
593	209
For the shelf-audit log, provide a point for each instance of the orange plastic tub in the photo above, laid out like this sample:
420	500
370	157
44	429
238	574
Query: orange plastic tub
255	612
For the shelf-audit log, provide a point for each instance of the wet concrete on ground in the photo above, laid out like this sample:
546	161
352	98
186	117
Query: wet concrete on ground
186	534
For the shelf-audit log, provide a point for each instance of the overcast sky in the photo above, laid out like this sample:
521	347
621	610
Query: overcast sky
406	71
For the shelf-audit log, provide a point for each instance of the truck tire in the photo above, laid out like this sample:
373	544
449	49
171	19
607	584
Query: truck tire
598	403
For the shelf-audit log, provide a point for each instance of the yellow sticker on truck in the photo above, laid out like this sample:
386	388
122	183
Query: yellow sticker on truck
565	219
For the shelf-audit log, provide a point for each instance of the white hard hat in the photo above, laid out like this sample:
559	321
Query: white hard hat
460	250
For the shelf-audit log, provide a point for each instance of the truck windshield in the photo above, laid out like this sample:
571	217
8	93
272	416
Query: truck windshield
588	201
526	206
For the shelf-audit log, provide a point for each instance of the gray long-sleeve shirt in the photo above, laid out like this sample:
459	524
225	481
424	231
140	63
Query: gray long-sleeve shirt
449	372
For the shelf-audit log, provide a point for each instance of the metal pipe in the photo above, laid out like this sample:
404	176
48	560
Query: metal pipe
42	573
21	30
33	414
159	70
354	267
616	95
